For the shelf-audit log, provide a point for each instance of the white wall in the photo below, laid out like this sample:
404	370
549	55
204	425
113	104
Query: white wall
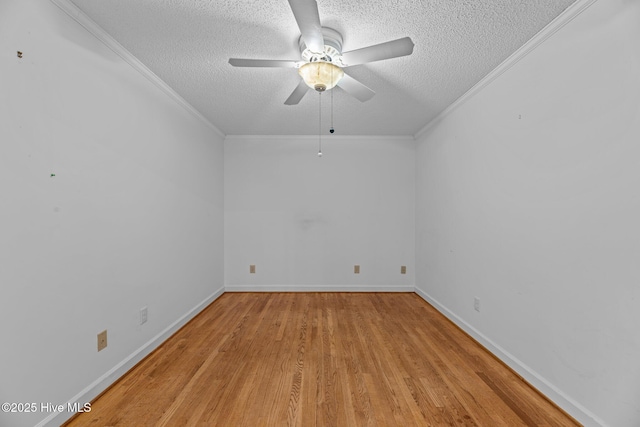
132	218
306	221
528	197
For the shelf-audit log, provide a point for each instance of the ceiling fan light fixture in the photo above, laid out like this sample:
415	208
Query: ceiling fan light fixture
321	75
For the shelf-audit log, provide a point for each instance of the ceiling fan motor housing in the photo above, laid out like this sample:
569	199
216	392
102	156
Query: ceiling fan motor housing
332	48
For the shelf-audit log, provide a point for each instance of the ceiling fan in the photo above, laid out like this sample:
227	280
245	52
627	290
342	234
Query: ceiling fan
322	63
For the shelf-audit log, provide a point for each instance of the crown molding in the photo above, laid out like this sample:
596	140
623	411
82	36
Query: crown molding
559	22
325	138
87	23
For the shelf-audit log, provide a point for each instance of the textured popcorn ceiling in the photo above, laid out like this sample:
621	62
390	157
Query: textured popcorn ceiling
188	43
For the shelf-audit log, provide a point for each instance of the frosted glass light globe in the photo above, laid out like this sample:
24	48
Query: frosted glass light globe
320	75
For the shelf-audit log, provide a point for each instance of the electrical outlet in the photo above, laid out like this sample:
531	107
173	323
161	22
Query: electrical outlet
143	315
403	269
252	269
476	304
102	340
356	269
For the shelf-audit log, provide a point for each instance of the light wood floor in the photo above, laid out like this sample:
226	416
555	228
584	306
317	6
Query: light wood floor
321	359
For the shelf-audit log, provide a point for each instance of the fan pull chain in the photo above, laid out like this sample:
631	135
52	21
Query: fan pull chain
319	124
331	128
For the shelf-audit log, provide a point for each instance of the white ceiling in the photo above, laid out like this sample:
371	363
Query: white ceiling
188	43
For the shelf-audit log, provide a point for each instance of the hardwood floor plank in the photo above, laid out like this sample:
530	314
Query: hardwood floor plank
321	360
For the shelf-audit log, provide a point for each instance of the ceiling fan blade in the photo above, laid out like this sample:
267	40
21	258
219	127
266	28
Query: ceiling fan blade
297	93
355	88
237	62
387	50
308	19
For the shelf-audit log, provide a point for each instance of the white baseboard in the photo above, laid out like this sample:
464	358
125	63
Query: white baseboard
573	408
101	384
317	288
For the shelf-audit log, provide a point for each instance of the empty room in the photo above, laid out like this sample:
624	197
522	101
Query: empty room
320	213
